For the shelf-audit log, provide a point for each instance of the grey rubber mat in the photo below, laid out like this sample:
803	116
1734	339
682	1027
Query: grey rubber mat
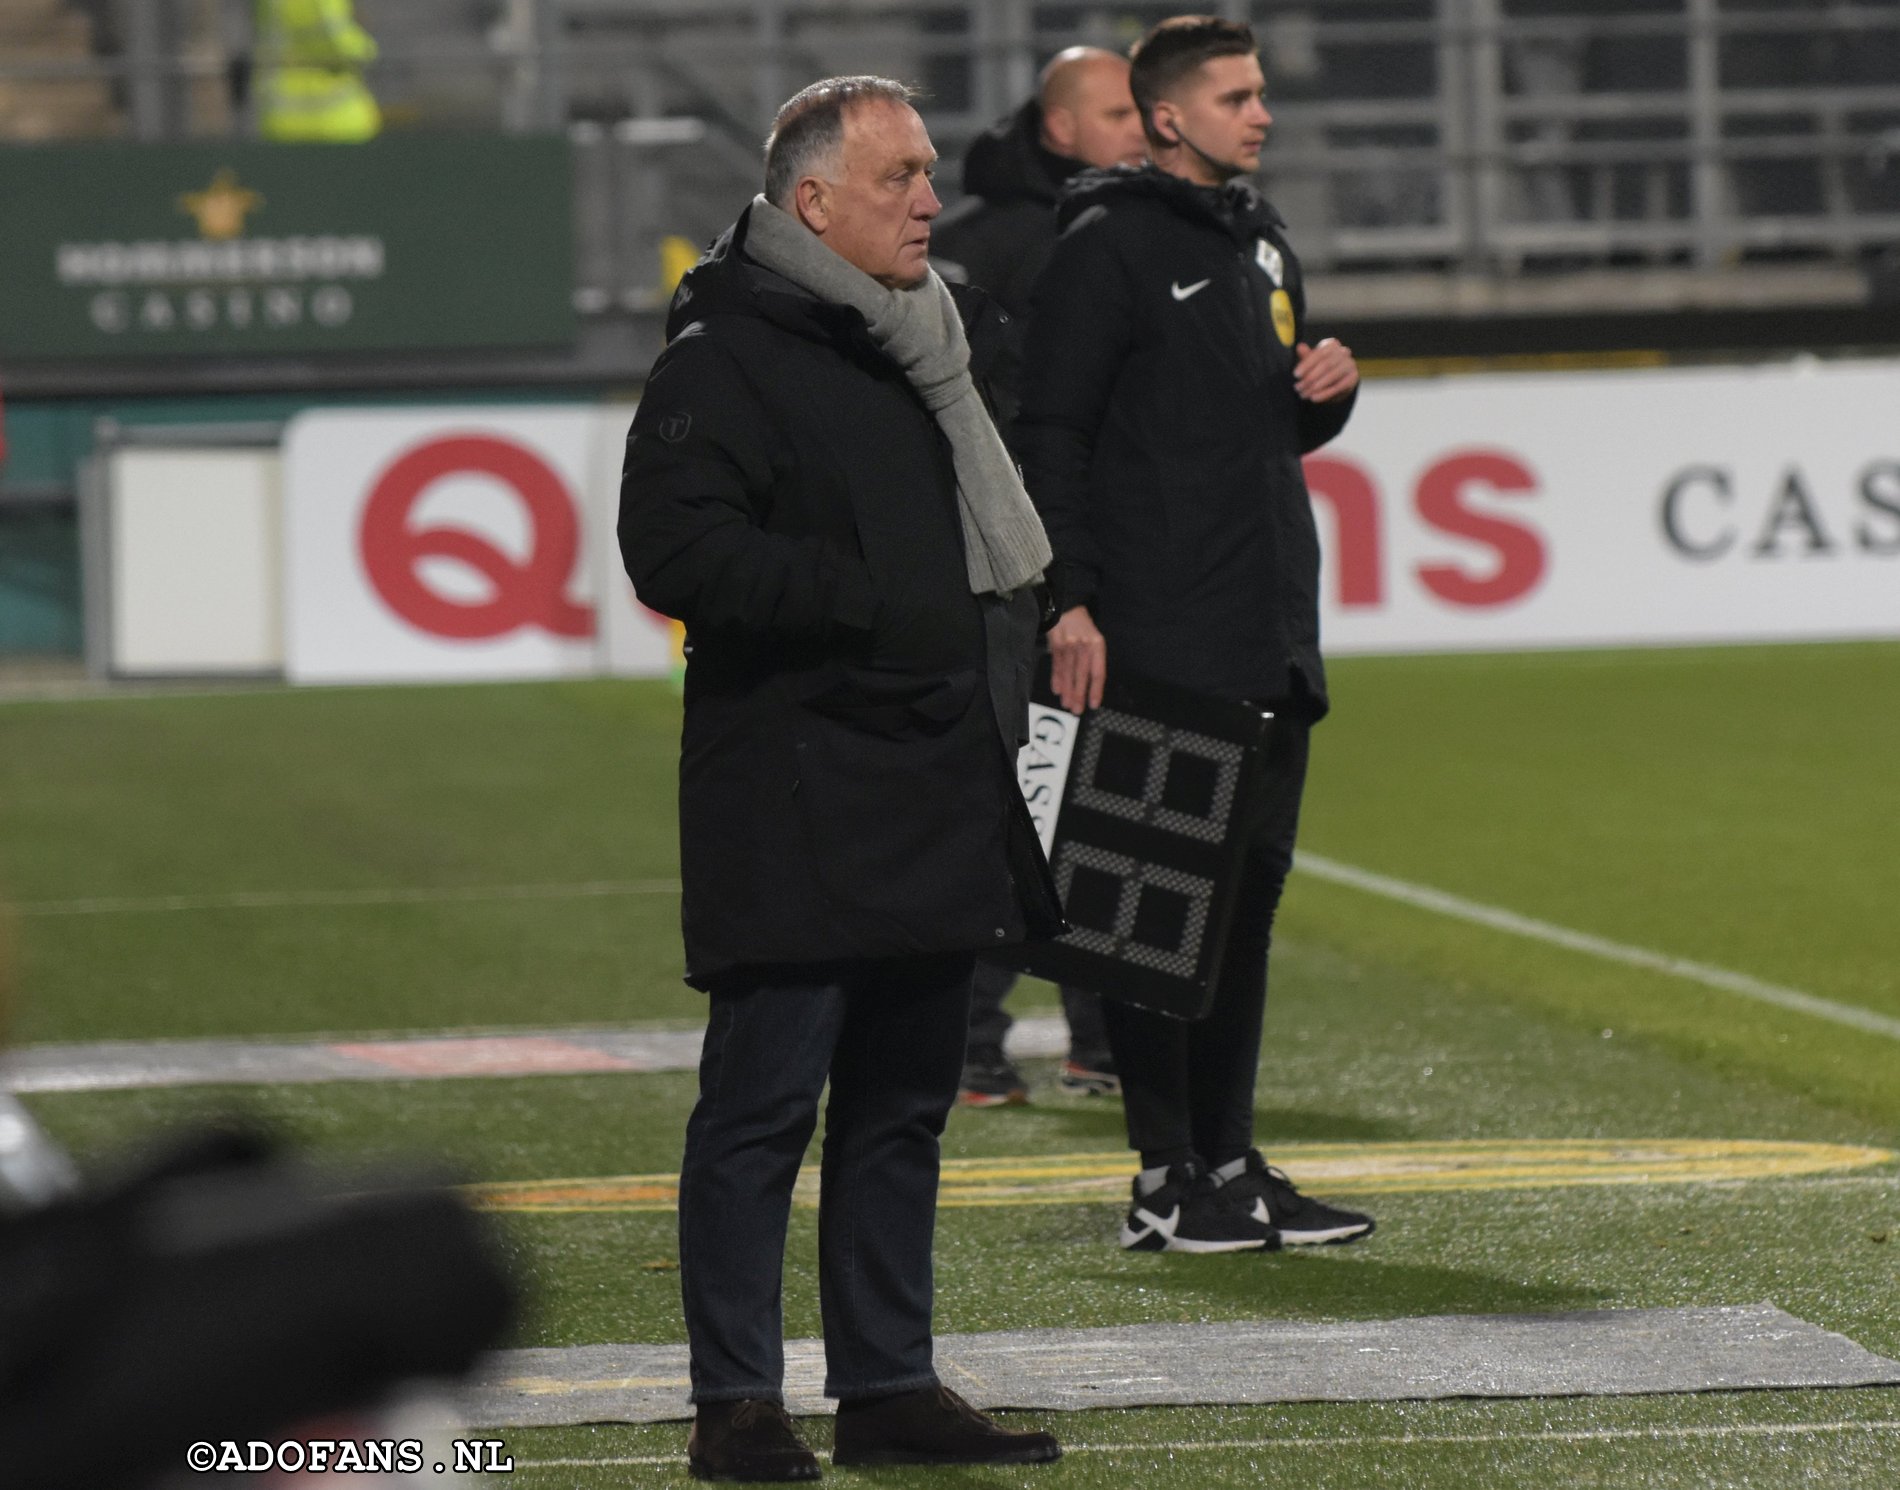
1623	1352
123	1064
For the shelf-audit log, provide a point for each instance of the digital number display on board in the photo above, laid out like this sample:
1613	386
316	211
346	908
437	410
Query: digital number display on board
1143	806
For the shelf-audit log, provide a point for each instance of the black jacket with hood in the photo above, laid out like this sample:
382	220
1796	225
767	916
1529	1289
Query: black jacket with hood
1161	436
846	791
1000	235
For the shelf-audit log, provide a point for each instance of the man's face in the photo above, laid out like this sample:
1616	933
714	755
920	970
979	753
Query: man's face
877	213
1099	124
1219	108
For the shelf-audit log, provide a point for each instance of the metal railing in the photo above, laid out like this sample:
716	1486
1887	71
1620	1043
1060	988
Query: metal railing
1478	136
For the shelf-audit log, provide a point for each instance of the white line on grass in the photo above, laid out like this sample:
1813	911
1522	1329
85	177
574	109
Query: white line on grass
1351	1441
251	900
1500	919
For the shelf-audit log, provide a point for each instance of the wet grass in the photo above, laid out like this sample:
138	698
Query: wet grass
1734	807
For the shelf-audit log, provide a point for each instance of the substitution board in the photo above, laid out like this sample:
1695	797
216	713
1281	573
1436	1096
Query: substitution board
1143	807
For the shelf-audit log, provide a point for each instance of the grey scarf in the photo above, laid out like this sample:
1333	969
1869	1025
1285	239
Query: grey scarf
919	329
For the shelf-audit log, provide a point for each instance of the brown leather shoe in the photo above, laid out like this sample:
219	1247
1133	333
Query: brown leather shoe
747	1440
932	1426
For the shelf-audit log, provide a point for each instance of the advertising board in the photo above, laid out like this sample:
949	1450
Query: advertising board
1606	509
1459	514
459	543
119	250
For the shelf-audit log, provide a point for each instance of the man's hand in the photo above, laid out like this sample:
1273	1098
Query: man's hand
1078	659
1326	373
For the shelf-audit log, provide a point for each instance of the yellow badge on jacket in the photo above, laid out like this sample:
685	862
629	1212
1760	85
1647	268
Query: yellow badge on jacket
1282	306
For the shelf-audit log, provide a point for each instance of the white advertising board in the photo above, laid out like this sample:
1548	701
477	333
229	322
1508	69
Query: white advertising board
1613	508
193	567
459	543
1472	513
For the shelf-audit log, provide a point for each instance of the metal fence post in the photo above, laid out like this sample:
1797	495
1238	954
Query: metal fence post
1708	187
1018	62
1484	81
985	44
548	33
768	76
1455	143
535	99
150	37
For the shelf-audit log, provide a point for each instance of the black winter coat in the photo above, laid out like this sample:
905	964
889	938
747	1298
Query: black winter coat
846	790
1002	232
1161	436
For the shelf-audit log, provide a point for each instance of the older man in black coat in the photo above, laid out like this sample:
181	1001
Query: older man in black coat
814	486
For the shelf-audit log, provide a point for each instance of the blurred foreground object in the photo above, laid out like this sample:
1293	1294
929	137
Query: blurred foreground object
226	1291
34	1172
309	73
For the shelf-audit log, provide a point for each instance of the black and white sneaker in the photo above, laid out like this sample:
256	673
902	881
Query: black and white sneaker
1189	1213
1269	1198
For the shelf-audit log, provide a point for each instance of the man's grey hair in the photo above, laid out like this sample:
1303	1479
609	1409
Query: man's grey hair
809	130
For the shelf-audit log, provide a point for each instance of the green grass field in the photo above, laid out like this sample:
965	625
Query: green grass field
1734	807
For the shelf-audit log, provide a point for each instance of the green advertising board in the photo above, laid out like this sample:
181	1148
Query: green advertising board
404	243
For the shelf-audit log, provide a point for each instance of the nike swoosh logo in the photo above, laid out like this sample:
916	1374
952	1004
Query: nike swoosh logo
1181	292
1166	1225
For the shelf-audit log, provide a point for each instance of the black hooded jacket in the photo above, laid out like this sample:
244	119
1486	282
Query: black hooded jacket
1000	235
1161	436
846	788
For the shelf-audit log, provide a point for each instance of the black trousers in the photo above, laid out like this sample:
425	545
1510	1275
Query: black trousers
1188	1089
990	1022
889	1036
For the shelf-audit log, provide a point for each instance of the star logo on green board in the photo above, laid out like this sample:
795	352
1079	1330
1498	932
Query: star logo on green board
221	207
215	248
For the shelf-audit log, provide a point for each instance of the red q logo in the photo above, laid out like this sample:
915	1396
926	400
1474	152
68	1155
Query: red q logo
526	594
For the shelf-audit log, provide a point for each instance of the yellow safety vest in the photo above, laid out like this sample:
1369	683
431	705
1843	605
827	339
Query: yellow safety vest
311	55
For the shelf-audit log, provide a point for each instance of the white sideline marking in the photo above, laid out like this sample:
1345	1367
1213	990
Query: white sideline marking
1384	1440
1500	919
251	900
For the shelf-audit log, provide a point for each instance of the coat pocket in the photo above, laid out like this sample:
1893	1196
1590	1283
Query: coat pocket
892	706
898	795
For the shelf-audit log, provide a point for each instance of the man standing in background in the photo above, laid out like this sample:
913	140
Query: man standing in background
998	238
1168	394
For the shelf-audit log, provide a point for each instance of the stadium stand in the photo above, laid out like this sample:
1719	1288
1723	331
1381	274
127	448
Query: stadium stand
46	54
1448	161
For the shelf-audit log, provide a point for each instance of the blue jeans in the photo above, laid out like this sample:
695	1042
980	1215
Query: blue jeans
889	1036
